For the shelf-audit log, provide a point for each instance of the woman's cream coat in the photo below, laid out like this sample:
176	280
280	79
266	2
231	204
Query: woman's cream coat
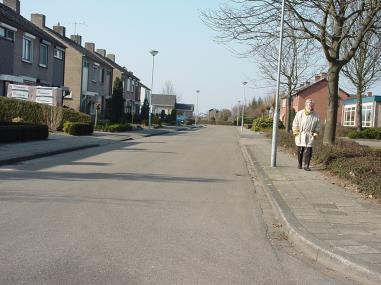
305	127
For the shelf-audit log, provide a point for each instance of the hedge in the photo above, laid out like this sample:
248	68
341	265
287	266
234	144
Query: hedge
34	113
368	133
114	128
15	132
264	123
360	165
78	129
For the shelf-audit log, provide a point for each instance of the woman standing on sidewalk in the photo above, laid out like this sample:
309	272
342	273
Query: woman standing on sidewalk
306	127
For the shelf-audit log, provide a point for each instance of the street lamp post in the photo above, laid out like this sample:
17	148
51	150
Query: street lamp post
239	106
197	92
276	111
244	102
153	53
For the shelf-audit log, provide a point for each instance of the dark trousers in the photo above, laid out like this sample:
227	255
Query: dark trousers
306	153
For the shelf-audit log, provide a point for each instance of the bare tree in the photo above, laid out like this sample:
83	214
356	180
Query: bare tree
364	70
329	23
168	88
295	67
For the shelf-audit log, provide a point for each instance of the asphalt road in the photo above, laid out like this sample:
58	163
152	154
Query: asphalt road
175	209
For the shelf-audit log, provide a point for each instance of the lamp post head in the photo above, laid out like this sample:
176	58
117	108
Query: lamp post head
198	91
244	83
154	52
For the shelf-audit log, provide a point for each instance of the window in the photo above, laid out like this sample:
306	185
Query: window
2	32
349	115
27	49
10	35
43	55
367	116
102	75
128	84
58	53
95	73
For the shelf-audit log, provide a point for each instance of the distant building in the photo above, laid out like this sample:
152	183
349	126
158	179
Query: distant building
212	115
371	111
184	112
318	92
163	102
28	55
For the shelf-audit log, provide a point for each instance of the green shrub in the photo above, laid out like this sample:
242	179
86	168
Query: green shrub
263	123
360	165
368	133
70	115
112	128
35	113
78	129
118	128
15	132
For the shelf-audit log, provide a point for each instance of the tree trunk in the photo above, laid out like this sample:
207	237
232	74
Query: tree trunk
359	108
333	88
288	113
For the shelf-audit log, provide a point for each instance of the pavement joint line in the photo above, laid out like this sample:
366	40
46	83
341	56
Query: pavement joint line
299	235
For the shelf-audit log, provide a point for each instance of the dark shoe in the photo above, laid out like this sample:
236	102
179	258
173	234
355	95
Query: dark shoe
300	167
307	168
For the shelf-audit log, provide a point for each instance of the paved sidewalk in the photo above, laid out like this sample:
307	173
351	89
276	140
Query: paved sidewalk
61	143
333	226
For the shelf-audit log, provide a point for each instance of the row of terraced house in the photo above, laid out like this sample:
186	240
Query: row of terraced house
33	54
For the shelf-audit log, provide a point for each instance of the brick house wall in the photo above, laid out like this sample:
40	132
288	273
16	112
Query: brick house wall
318	92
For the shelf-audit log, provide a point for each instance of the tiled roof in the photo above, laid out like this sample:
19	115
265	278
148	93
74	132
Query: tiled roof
79	48
163	100
16	20
307	86
366	99
185	107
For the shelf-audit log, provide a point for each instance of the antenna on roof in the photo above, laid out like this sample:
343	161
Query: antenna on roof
77	24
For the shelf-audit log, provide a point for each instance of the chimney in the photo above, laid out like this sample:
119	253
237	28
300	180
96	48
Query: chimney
38	20
90	47
60	30
77	39
102	52
111	56
13	4
317	77
370	94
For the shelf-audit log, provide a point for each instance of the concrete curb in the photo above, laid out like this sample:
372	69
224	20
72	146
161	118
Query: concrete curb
45	154
304	240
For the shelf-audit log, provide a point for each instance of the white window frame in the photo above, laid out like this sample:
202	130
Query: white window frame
367	109
95	73
24	55
351	110
46	47
58	53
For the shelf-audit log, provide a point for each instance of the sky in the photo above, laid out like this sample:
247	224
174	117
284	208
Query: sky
188	55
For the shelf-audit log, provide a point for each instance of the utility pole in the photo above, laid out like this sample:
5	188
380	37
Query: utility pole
153	53
244	102
276	111
239	106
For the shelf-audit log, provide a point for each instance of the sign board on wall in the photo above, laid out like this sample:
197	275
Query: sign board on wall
44	95
20	92
40	94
